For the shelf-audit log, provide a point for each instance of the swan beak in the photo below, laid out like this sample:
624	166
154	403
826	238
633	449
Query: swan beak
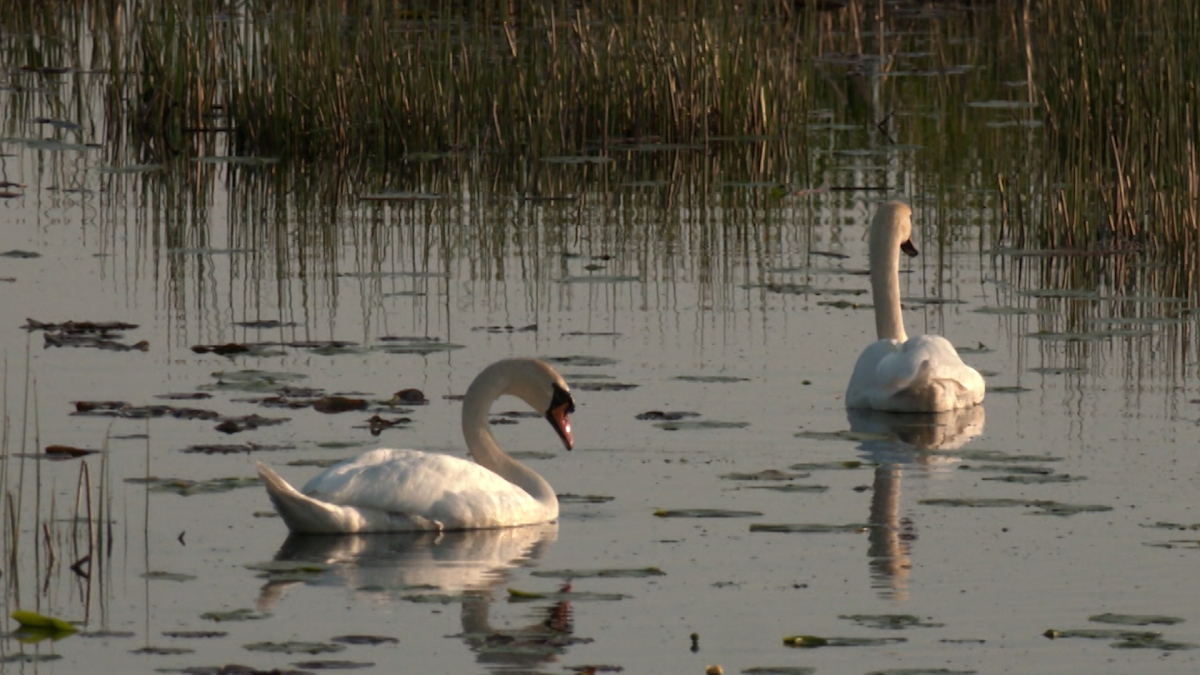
909	249
561	423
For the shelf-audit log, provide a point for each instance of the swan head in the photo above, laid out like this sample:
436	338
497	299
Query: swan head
893	225
541	387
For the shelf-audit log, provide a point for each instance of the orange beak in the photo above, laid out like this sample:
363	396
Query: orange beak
562	423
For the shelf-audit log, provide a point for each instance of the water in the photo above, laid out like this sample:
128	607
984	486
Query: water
709	297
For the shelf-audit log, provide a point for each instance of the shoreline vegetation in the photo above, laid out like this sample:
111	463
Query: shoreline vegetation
1080	117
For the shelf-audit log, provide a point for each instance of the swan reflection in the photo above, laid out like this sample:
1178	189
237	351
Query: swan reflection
899	442
467	566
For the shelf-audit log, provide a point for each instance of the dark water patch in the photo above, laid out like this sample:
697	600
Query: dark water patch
187	488
332	405
584	333
581	361
843	304
711	379
779	670
829	466
418	346
578	159
1007	311
766	474
1157	643
262	324
365	640
515	595
569	498
131	168
531	328
23	255
596	668
184	396
1036	478
162	651
843	435
704	513
1064	510
333	665
105	634
1162	525
236	425
985	455
251	380
235	615
401	196
295	647
813	641
29	658
608	573
810	528
1058	370
789	487
889	621
1136	619
599	279
195	634
1007	389
701	425
377	424
1045	507
666	415
289	570
231	669
159	575
605	386
1089	336
235	348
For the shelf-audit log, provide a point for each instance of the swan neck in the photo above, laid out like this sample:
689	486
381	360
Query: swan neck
885	281
482	445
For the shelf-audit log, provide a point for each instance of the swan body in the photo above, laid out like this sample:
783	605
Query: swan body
898	373
389	490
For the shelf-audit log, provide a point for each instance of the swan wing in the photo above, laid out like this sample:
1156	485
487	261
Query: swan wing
454	492
924	374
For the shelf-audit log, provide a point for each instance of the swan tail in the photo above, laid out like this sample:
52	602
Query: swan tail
306	515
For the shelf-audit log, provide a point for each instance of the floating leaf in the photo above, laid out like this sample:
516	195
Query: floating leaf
779	670
234	615
252	380
515	595
187	488
333	665
294	647
669	415
569	498
682	425
582	361
711	379
604	386
789	487
365	639
1153	643
811	641
168	576
195	634
1136	619
809	528
704	513
825	466
35	621
1036	478
634	573
162	651
1100	634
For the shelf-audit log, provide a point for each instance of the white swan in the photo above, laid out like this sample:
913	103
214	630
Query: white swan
389	490
896	373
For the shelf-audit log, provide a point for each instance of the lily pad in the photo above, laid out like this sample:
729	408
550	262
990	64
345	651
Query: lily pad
1100	634
1036	478
667	415
779	670
35	621
851	464
195	634
580	361
251	380
1136	619
16	253
421	347
810	528
295	647
162	651
333	665
289	570
789	487
611	573
569	498
890	621
605	386
1153	643
704	513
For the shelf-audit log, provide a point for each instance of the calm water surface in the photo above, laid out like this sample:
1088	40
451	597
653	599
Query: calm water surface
718	301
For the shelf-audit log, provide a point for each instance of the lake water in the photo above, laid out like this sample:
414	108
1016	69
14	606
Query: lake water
1065	503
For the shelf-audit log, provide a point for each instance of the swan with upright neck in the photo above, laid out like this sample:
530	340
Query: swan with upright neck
898	373
389	490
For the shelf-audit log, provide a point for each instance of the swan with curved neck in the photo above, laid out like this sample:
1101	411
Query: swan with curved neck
388	490
898	373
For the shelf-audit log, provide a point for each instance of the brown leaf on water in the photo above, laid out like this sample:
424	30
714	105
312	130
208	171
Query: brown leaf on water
331	405
67	451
